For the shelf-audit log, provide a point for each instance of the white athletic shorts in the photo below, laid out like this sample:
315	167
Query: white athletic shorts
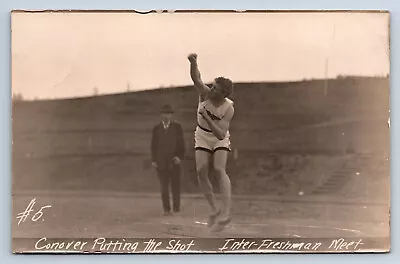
206	141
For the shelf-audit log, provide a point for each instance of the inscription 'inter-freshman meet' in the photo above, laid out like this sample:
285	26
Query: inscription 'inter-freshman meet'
178	245
269	244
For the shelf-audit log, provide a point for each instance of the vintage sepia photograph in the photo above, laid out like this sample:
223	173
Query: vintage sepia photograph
200	131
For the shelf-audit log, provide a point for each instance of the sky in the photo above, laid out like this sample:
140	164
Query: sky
64	55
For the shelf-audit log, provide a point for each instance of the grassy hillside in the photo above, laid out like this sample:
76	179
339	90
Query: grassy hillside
281	132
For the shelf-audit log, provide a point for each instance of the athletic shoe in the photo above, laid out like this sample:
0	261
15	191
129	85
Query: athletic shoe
220	225
212	218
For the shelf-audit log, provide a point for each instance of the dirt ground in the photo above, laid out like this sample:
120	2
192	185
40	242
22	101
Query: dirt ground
107	215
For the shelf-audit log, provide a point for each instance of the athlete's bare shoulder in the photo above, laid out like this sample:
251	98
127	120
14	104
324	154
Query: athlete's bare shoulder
203	97
229	110
230	104
229	101
202	102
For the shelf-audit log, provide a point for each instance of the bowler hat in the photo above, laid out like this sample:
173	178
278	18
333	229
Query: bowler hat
167	109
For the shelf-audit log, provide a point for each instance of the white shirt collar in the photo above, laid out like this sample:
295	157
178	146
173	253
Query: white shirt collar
166	125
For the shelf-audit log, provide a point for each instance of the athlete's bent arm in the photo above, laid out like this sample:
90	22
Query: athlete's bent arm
219	130
201	88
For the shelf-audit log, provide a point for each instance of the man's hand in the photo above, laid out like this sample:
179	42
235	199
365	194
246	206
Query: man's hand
176	160
192	57
154	164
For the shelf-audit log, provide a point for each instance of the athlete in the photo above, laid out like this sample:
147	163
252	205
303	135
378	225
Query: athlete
212	139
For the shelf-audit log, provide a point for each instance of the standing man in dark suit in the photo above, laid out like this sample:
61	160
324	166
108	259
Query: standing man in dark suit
168	150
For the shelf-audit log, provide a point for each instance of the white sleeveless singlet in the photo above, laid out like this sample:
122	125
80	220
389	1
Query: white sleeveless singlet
216	113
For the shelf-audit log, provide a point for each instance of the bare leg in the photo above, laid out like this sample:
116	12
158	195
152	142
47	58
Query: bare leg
220	159
202	166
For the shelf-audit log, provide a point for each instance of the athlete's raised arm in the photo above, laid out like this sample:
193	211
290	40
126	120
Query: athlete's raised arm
201	88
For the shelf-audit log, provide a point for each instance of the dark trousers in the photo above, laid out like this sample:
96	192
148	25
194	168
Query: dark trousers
170	177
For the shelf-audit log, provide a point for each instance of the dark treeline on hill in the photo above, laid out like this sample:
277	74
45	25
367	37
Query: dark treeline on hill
293	118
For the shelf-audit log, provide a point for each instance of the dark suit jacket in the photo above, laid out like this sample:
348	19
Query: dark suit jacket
167	144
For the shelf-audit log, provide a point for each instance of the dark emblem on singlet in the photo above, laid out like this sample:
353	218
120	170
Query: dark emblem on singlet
213	117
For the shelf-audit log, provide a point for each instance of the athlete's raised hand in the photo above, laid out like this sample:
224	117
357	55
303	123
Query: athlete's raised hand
202	89
192	57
